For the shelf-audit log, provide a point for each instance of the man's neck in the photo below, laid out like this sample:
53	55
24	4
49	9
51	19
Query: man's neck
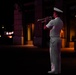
56	16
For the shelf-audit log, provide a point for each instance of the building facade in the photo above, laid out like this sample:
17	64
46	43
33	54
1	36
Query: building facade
27	30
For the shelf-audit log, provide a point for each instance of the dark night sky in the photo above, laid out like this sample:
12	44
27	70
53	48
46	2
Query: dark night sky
6	13
7	7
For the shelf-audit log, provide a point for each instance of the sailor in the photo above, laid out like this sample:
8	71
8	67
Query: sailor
55	25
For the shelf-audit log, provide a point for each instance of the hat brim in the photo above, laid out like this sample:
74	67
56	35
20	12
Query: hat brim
58	10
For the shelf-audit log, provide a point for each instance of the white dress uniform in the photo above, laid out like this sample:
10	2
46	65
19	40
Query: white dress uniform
55	43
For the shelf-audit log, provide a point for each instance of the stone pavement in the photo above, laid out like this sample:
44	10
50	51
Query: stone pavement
22	60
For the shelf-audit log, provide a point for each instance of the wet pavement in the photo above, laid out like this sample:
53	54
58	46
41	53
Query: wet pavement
32	61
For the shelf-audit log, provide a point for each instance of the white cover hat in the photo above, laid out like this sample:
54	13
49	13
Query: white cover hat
58	10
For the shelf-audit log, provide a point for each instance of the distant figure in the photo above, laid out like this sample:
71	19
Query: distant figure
55	25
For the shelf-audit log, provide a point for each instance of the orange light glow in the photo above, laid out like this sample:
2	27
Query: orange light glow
22	40
29	32
62	34
10	36
67	49
32	28
71	44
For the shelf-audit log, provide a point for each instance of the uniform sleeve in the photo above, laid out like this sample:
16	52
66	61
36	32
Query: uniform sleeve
50	24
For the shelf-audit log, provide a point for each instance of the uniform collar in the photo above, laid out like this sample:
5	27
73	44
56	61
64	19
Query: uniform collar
56	17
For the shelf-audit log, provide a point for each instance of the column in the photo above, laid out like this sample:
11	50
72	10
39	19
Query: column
38	25
18	28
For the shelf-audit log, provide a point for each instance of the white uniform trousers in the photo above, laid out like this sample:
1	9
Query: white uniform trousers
55	54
